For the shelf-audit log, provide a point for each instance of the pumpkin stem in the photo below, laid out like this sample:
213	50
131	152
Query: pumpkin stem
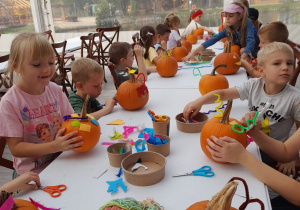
83	110
225	118
132	78
178	43
213	73
196	25
228	47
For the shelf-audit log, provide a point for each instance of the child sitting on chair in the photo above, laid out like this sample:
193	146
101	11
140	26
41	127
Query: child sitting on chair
163	33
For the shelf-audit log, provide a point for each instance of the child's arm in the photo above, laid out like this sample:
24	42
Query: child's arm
109	106
139	51
194	107
18	148
206	29
251	71
229	150
22	183
250	40
151	69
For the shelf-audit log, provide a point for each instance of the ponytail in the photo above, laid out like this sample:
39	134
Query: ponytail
146	34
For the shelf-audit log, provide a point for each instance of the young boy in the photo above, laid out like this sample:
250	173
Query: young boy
275	65
163	33
272	32
87	75
122	56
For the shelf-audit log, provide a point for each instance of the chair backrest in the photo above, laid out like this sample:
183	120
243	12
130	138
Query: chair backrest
87	42
4	162
136	37
296	49
109	39
49	36
96	46
112	68
6	80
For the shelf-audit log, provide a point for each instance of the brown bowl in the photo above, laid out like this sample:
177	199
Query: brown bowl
163	149
140	177
116	159
191	127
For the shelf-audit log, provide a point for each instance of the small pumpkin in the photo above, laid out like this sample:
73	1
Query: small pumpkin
211	82
228	58
220	127
234	48
199	32
25	205
187	44
192	38
179	52
167	65
133	94
86	125
221	27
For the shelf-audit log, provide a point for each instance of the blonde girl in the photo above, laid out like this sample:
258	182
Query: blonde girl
31	102
148	40
173	21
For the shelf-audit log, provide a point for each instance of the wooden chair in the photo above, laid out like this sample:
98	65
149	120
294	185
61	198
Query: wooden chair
136	38
60	76
96	47
106	42
296	49
6	80
87	43
4	162
112	68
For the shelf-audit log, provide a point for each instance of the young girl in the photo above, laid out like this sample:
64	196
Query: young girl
239	30
173	21
31	102
148	40
194	20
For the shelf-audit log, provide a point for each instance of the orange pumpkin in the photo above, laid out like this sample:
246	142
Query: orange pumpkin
221	27
179	52
224	39
25	205
234	48
211	82
133	94
187	44
228	58
86	125
192	38
167	66
220	127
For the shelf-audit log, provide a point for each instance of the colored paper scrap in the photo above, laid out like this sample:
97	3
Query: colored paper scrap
74	115
84	127
113	186
90	116
75	123
120	173
108	143
143	148
94	122
116	122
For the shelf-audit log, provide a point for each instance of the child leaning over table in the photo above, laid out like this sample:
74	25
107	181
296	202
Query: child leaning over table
121	55
31	102
87	75
275	64
163	33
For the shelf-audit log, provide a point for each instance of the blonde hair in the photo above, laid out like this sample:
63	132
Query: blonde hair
83	68
30	46
275	32
171	19
272	48
244	2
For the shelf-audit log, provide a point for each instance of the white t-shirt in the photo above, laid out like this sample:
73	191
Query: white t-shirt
190	27
173	38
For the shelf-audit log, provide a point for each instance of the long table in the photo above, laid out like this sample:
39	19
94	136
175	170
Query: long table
77	170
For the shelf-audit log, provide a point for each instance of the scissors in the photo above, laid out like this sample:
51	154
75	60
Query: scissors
203	171
252	59
160	118
54	191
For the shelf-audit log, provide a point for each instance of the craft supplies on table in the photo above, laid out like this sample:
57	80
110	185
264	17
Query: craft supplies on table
54	191
203	171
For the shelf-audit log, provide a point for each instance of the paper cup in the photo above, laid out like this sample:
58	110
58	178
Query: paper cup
163	149
191	127
116	159
162	128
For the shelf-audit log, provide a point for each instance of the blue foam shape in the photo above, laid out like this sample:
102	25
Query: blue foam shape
113	186
94	122
141	135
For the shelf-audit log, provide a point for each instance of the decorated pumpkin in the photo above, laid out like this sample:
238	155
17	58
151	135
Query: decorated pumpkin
234	48
24	205
211	82
192	38
179	52
86	125
133	94
228	58
187	44
167	65
220	127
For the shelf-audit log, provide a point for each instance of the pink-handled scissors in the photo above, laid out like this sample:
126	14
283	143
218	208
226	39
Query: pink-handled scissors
54	191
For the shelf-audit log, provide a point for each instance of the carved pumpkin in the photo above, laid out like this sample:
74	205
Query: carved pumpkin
192	38
187	44
133	94
234	48
179	52
25	205
211	82
167	66
228	58
86	125
220	127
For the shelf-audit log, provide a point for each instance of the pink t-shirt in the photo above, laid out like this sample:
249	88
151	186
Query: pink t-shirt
36	119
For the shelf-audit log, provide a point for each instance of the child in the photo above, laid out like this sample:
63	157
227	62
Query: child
194	20
173	21
163	33
238	29
148	40
30	102
275	64
87	75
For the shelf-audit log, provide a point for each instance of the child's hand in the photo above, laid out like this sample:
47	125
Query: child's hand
138	50
22	182
287	168
163	44
65	143
190	110
242	50
255	128
109	104
186	58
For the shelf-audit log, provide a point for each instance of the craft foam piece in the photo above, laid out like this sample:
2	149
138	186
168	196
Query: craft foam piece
233	122
143	148
141	135
94	122
137	165
74	115
120	173
75	123
8	204
108	143
113	186
116	122
90	116
40	206
146	136
131	142
84	127
150	131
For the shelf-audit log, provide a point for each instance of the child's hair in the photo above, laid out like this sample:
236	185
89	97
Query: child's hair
275	32
162	29
244	2
193	12
117	51
39	129
171	19
31	45
83	68
243	25
253	15
147	33
272	48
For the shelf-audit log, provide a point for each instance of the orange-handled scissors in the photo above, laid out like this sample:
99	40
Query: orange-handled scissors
160	118
253	61
54	191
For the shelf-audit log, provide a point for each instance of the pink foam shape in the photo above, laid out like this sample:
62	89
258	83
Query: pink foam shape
108	143
146	136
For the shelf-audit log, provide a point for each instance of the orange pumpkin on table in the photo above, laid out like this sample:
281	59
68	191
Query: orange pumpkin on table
192	38
211	82
25	205
86	125
187	44
220	127
228	58
199	32
167	65
234	48
132	94
179	52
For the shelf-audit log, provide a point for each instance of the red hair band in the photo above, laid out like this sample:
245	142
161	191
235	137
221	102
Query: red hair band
194	15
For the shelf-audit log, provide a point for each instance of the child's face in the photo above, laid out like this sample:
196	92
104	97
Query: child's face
198	19
164	37
232	19
278	68
128	61
56	122
93	86
263	40
46	134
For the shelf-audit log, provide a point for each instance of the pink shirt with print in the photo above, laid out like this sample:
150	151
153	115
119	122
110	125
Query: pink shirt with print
36	119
